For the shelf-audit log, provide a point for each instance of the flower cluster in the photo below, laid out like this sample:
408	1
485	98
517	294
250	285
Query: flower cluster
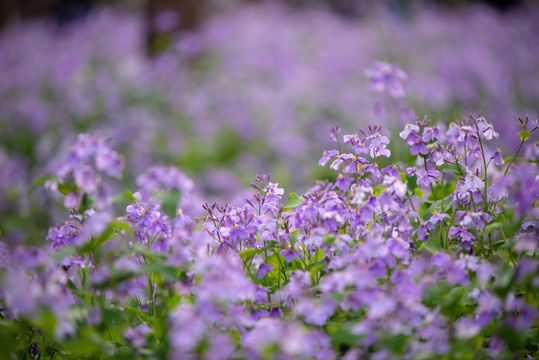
87	161
399	261
387	78
425	253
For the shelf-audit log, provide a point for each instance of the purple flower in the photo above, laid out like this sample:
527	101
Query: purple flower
466	327
360	148
419	147
109	161
289	255
356	165
486	129
441	260
378	139
497	157
339	158
437	217
468	136
426	178
343	182
137	335
430	133
263	269
373	169
276	312
408	128
326	156
423	231
84	178
468	218
390	170
386	77
315	314
148	220
459	232
472	182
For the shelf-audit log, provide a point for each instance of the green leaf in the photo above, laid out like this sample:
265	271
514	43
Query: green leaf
169	201
490	228
120	225
47	323
276	260
437	206
134	311
144	251
69	250
432	245
434	294
163	270
65	189
315	268
319	255
395	343
344	336
123	197
447	168
512	338
41	180
113	228
271	244
88	342
245	255
524	135
293	202
293	238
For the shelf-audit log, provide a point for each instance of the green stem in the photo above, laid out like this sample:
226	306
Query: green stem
513	159
431	187
150	284
484	161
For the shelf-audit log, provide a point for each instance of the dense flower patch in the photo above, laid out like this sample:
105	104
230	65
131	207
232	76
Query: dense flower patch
433	259
252	91
420	244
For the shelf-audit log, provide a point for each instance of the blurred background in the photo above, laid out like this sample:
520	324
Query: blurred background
227	89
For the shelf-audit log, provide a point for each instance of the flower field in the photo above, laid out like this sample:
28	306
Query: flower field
400	219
